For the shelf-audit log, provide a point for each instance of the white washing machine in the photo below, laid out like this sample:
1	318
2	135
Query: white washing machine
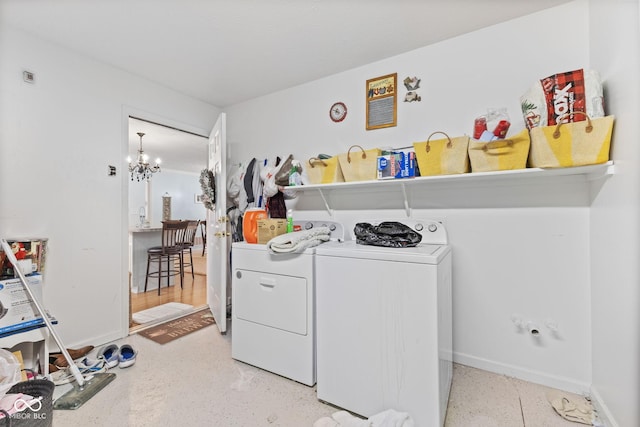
273	313
384	326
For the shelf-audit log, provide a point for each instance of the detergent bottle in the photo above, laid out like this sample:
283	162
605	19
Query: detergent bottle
289	221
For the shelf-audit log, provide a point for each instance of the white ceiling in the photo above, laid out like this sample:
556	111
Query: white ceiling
177	150
228	51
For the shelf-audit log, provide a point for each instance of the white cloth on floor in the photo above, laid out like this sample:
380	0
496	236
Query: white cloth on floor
326	422
391	418
298	241
388	418
345	419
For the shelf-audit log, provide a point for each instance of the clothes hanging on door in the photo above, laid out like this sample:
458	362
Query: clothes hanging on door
254	186
244	186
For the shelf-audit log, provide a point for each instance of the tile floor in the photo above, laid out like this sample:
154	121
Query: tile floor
194	382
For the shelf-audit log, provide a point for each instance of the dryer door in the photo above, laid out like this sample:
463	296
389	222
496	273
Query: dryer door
273	300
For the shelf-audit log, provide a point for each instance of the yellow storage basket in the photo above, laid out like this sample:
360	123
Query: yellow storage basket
359	165
442	156
324	171
502	154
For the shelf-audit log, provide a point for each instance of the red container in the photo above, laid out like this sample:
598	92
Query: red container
501	129
479	126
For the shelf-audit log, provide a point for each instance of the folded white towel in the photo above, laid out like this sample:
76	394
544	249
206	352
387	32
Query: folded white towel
391	418
298	241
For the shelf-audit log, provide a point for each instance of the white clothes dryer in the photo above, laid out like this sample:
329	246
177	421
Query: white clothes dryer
384	326
273	311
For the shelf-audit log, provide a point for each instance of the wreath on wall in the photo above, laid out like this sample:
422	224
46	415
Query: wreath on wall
208	185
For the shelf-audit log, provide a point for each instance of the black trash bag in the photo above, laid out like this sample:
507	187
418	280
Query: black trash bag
389	234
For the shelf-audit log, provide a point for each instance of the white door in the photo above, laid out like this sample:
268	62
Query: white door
218	228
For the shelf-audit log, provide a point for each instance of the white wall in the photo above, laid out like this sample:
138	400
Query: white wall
615	43
181	186
57	138
530	259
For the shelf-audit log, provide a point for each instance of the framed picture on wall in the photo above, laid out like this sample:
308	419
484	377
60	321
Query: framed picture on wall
382	101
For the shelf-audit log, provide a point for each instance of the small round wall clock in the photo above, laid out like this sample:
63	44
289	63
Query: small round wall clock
338	112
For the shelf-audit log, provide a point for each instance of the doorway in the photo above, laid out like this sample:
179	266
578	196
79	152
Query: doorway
183	155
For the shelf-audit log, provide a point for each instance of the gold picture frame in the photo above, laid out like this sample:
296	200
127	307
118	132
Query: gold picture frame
382	101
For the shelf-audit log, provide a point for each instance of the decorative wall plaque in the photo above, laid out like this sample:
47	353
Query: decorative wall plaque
382	101
166	207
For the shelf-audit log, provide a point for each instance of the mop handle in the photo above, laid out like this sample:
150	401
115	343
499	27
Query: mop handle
12	258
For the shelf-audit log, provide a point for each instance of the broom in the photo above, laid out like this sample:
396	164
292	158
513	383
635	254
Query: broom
85	387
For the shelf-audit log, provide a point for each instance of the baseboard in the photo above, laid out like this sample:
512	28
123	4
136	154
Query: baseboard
537	377
603	411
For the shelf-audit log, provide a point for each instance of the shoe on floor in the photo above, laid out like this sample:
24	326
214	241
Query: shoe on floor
127	356
60	361
109	354
89	365
62	376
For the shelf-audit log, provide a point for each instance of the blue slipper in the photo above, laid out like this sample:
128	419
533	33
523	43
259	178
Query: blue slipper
109	354
127	356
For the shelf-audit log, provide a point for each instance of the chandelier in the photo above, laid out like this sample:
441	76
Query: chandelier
140	169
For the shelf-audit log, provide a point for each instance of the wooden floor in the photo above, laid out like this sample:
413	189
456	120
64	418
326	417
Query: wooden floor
193	292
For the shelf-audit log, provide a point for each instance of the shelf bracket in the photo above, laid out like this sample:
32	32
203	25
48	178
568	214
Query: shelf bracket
610	170
407	208
326	204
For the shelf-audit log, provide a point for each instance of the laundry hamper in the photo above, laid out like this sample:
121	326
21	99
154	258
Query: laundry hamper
502	154
37	415
324	171
359	164
580	143
442	156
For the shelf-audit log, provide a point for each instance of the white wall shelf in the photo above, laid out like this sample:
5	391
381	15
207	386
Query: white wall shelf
515	188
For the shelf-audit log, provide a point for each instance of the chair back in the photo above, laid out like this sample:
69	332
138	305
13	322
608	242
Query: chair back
203	233
173	233
203	229
190	232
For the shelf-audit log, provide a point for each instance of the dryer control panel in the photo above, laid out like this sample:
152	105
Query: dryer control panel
336	228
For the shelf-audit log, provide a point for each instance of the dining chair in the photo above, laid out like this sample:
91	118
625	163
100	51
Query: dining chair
203	233
187	244
168	256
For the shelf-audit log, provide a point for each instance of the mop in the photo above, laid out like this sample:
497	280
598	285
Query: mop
85	387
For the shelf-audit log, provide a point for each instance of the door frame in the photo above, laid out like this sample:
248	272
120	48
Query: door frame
128	111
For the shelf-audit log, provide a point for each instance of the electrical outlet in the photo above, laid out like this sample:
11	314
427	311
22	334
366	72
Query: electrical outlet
528	325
